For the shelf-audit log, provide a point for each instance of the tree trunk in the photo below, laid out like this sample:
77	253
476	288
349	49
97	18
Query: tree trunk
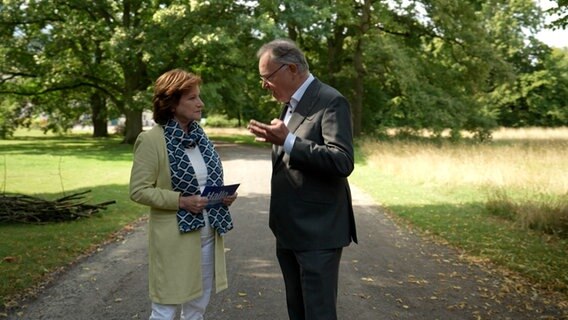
136	81
335	55
99	115
359	87
133	126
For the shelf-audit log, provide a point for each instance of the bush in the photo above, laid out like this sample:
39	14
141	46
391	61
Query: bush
219	121
8	119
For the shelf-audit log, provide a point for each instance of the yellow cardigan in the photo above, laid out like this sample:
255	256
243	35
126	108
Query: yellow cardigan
174	258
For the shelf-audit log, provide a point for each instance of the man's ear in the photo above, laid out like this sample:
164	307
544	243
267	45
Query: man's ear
293	68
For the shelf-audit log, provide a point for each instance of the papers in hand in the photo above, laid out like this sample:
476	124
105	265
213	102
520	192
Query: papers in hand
215	194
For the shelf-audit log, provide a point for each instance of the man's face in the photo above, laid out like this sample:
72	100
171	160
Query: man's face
276	78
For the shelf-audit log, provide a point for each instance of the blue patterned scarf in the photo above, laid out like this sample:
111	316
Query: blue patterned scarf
184	179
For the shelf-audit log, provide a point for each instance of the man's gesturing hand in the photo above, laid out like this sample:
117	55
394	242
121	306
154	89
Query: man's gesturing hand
275	132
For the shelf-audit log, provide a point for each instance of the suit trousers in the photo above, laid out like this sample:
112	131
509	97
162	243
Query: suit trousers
310	278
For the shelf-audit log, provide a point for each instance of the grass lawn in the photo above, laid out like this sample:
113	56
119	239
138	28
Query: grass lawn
50	167
442	190
449	191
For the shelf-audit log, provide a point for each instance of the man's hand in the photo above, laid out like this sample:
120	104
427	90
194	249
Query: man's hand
275	132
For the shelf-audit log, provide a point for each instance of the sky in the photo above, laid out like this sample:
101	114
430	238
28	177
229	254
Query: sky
556	38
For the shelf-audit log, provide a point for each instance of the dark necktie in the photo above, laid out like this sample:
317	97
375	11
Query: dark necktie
287	114
285	108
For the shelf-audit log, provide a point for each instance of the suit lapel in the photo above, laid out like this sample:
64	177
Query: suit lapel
277	151
302	110
304	107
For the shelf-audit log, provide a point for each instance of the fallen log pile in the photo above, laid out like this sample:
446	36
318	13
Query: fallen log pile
19	208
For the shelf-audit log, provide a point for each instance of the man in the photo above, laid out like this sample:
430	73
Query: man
311	214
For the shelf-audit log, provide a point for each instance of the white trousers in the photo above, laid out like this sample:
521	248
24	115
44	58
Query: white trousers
194	309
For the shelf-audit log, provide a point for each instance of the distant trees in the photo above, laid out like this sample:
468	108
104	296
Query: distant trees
461	65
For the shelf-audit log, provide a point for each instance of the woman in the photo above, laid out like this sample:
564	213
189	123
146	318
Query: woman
173	162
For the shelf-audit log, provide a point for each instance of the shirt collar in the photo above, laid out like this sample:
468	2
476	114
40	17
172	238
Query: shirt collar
297	96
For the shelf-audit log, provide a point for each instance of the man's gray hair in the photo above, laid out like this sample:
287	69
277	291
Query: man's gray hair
285	51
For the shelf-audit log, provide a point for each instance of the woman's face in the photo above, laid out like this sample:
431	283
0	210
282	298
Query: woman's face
189	107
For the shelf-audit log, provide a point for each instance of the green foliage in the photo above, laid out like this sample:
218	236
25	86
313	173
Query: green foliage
537	98
8	117
118	48
436	65
560	14
217	121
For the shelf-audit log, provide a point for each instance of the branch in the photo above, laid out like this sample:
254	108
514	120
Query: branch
106	16
31	21
420	31
48	90
105	82
64	87
12	75
20	208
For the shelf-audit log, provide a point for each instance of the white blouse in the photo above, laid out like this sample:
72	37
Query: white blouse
200	169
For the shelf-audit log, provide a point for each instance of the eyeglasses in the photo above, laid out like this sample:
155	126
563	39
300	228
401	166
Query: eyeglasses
267	78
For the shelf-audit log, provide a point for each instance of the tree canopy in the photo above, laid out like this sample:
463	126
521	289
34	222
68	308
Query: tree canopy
431	64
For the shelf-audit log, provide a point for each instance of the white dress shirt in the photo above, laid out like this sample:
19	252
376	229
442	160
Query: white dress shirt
296	97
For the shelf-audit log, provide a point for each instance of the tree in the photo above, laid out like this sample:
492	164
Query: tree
394	61
433	64
111	51
538	98
54	53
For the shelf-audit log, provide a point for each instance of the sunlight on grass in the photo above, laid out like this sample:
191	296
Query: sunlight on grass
506	201
445	190
531	134
49	167
540	167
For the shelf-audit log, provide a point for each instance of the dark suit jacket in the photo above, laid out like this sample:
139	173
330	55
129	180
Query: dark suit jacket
310	204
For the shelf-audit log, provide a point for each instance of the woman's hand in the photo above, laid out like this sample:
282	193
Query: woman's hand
228	200
193	204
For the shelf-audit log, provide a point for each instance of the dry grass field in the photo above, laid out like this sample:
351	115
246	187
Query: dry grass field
524	172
